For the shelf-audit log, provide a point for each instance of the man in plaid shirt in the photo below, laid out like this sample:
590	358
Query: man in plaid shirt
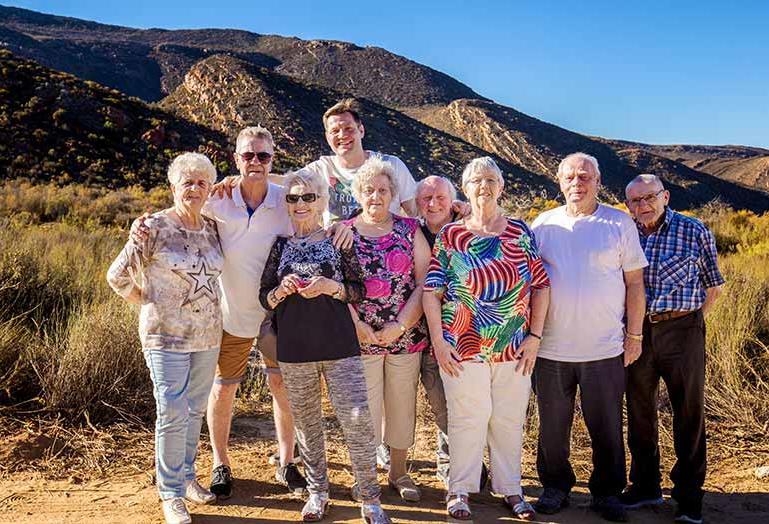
682	283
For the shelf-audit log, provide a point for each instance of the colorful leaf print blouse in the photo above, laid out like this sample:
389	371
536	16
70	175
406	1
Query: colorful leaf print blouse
487	283
388	273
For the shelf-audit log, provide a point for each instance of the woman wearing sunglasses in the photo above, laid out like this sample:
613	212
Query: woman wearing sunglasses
309	282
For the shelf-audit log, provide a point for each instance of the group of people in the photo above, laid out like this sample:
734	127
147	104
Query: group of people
349	270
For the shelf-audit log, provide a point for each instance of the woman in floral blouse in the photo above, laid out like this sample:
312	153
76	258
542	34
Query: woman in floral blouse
394	256
486	297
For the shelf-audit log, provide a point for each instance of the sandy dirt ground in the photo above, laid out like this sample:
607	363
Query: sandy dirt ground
124	492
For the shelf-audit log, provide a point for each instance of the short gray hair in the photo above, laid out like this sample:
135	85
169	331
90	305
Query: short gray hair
372	168
311	180
188	163
566	168
644	178
256	131
479	165
425	181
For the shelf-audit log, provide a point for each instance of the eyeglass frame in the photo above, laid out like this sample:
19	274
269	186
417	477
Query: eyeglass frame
649	199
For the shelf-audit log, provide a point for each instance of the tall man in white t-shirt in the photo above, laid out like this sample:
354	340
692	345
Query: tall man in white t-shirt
593	330
344	134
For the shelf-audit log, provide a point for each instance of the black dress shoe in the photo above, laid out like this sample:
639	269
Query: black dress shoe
610	508
551	501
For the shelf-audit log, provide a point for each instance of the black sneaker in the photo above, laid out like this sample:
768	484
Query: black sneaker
221	482
633	497
290	477
551	501
688	515
610	508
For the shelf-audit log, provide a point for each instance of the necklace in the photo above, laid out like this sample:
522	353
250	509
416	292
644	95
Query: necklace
302	241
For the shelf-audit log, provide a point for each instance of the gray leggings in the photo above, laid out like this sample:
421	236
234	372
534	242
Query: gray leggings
347	390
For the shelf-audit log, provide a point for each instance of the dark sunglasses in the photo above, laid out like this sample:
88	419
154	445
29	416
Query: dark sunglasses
307	197
263	156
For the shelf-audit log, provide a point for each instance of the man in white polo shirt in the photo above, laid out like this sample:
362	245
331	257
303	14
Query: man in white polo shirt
344	134
592	331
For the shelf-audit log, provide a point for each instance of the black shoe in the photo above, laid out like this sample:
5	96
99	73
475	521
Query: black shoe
221	482
551	501
633	497
484	476
610	508
290	477
688	515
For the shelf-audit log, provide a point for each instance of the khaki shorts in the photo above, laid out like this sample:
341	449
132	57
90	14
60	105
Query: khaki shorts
233	356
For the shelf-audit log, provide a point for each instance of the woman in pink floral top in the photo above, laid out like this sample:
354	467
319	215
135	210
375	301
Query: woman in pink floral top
394	256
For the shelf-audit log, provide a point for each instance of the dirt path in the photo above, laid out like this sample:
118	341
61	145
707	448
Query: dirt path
734	495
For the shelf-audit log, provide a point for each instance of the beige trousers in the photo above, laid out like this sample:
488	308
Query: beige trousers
487	406
392	382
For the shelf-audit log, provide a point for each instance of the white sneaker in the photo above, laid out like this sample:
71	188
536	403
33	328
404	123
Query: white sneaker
175	511
196	493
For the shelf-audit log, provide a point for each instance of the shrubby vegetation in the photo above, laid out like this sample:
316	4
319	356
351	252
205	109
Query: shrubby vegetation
70	346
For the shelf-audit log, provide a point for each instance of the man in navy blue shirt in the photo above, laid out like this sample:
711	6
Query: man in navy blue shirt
682	282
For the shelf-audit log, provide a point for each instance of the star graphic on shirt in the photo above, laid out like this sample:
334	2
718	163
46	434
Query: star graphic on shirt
201	281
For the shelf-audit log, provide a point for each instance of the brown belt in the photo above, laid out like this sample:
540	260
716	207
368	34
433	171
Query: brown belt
667	315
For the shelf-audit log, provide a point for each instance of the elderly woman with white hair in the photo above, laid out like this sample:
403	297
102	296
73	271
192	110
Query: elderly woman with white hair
172	274
394	256
309	282
486	297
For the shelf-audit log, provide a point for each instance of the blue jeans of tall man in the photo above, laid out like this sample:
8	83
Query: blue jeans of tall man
181	384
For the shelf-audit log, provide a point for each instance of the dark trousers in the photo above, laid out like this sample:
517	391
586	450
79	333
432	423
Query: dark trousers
673	350
602	385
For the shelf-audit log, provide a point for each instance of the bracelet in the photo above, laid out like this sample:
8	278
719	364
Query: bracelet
633	336
338	293
538	337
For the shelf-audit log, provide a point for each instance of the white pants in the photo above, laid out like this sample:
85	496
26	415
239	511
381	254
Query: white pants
487	405
392	382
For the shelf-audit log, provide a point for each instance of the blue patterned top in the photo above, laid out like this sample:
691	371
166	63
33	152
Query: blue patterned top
682	264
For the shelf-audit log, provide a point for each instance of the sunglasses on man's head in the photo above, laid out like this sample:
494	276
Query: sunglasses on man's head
307	197
263	156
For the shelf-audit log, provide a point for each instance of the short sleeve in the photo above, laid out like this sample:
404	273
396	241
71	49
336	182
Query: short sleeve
632	256
407	186
710	275
436	272
539	278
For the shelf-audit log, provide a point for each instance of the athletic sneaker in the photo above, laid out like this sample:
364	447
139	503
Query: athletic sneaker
290	477
175	511
274	459
221	481
634	497
196	493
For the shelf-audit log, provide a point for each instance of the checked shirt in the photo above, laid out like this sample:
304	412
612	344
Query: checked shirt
682	264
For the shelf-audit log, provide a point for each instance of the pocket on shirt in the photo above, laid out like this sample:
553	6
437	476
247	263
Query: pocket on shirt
677	271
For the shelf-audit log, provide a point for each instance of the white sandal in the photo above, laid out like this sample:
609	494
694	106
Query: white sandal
373	513
315	508
456	502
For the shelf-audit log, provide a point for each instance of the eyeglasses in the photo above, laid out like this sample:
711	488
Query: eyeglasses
263	156
307	197
649	199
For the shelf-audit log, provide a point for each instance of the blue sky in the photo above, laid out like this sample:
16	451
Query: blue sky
657	72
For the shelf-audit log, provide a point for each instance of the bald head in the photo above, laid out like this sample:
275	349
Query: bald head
645	181
435	194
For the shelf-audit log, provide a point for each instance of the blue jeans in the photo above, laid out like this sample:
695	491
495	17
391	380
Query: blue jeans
182	382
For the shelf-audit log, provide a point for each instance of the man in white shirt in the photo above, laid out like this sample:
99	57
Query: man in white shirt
593	330
344	134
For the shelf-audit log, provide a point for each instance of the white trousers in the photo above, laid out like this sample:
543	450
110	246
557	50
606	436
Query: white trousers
487	405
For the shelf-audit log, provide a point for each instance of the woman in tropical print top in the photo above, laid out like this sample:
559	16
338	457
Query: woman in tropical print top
486	297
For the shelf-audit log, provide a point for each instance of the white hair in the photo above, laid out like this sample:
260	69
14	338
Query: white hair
256	131
479	165
432	178
311	180
372	168
566	167
644	178
188	163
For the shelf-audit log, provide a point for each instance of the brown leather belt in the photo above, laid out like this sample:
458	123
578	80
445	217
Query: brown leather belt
667	315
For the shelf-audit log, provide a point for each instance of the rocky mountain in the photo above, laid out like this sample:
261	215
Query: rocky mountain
151	63
57	127
223	79
228	93
748	166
